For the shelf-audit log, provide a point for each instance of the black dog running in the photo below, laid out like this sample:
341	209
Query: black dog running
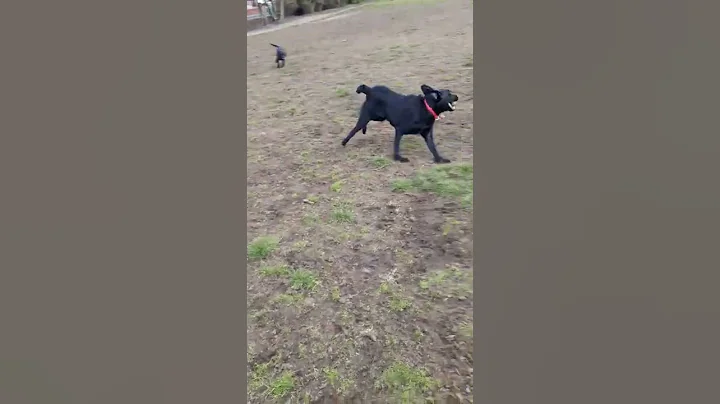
408	114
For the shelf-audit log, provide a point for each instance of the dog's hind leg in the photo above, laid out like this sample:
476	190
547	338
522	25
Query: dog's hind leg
358	126
361	124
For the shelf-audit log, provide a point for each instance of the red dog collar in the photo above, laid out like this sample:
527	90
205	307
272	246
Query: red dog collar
436	116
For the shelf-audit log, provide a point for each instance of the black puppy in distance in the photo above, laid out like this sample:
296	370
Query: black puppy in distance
280	55
408	114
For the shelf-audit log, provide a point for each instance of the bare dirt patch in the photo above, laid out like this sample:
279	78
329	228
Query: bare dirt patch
359	268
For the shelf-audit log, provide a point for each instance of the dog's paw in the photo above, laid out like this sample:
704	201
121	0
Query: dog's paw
401	159
442	160
343	143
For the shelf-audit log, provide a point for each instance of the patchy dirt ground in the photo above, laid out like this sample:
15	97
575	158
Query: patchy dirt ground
359	268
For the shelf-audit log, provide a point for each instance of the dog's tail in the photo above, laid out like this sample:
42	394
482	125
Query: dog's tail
363	89
274	45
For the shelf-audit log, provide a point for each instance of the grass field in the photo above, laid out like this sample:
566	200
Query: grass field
359	268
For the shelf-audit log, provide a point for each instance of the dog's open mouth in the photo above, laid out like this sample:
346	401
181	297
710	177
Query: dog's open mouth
452	106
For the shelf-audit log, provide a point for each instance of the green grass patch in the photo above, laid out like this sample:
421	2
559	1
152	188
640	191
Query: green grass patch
405	383
274	270
282	386
262	247
342	213
336	381
261	381
303	280
335	294
259	376
402	185
396	301
449	180
337	186
449	226
399	304
380	161
342	92
331	375
449	283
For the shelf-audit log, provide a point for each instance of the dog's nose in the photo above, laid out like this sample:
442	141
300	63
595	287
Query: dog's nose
456	97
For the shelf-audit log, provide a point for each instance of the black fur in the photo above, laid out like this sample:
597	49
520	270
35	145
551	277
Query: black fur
280	55
406	113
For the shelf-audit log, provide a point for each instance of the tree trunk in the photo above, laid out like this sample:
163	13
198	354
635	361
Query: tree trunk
282	10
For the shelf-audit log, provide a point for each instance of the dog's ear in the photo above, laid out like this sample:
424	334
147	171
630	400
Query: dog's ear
427	90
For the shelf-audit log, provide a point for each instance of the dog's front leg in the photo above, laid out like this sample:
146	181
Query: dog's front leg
430	142
396	147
